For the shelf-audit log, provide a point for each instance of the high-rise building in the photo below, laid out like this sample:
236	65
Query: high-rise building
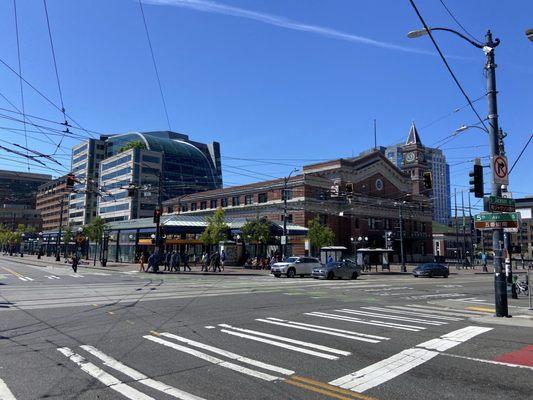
49	198
415	159
144	159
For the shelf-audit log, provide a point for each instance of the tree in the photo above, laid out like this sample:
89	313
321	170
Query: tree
319	235
216	230
136	144
256	231
94	232
67	237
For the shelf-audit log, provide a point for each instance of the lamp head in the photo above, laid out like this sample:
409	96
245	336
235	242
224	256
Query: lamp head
417	33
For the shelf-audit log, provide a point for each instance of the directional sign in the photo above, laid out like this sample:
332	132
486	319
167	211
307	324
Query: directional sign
498	204
501	170
496	221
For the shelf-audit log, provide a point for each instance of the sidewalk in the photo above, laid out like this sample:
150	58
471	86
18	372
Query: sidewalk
128	267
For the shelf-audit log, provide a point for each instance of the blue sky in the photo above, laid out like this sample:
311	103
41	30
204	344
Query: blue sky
287	82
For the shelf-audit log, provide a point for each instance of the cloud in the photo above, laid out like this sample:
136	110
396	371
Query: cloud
282	22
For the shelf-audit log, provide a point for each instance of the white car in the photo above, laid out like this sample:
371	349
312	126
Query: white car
293	266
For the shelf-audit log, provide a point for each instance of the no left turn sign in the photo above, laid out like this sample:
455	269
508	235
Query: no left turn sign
501	170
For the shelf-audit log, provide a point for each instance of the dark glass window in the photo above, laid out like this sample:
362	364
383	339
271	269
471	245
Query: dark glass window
114	174
80	149
323	219
152	171
248	199
114	163
286	194
118	207
203	205
289	218
224	202
262	198
152	159
213	203
184	208
235	201
193	206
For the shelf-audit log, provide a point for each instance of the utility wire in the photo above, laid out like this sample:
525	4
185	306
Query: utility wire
20	80
457	21
521	152
428	30
155	64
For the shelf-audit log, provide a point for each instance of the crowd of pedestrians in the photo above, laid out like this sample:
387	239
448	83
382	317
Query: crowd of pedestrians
173	261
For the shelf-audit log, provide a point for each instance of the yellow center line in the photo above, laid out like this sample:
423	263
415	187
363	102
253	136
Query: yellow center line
326	389
483	309
13	272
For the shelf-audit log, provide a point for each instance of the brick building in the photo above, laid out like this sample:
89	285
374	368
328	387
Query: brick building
49	197
355	197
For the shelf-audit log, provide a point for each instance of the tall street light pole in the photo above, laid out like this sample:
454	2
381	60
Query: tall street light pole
402	251
500	285
285	241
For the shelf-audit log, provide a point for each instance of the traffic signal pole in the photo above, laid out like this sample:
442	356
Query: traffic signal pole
500	284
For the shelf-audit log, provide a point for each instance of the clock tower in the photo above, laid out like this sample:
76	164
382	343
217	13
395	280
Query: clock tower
414	160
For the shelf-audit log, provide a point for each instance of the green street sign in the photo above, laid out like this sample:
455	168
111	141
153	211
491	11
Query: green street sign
503	201
496	217
498	204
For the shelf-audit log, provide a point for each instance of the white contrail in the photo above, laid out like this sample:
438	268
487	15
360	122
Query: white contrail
218	8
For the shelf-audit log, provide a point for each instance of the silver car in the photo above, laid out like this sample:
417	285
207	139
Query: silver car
337	269
293	266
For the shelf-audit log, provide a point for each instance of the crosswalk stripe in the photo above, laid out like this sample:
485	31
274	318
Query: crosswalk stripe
282	345
77	275
333	329
389	316
139	377
104	377
404	327
288	340
446	311
5	393
229	354
394	366
214	360
404	310
311	329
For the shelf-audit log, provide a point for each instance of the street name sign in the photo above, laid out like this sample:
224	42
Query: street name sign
498	204
501	170
496	221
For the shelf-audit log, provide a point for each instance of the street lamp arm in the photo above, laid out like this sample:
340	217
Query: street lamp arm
418	33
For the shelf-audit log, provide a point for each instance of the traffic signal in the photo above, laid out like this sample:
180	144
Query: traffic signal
428	180
476	180
157	216
131	190
71	179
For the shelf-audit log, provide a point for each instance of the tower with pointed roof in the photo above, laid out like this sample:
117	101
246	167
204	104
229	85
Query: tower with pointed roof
414	160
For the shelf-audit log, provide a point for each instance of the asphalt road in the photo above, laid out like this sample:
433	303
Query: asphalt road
128	335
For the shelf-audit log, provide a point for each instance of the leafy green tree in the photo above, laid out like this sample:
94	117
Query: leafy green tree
67	237
256	231
319	235
94	232
136	144
216	230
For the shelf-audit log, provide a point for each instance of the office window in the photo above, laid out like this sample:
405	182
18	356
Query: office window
235	201
248	199
323	219
289	218
262	198
224	202
184	208
203	205
193	207
286	194
213	203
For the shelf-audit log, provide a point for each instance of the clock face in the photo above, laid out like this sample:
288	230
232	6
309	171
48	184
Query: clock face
410	157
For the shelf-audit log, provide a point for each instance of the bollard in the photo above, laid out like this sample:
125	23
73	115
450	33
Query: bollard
529	290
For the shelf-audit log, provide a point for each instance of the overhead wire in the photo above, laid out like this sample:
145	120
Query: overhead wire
521	152
155	64
457	21
20	80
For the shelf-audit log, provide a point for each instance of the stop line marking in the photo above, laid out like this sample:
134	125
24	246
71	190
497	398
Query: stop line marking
5	393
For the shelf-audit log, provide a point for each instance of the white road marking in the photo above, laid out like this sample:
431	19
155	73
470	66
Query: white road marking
473	300
52	277
214	360
5	393
414	313
209	327
434	313
447	311
412	328
282	345
76	275
317	328
288	340
434	296
23	278
489	361
139	377
229	354
394	366
388	316
105	378
100	273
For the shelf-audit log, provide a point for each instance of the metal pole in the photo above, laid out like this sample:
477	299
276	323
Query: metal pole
529	290
457	252
465	259
500	284
284	244
58	241
159	206
402	251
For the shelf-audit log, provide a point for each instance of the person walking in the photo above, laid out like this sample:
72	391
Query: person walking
152	263
167	256
141	261
75	261
205	262
216	262
185	260
222	259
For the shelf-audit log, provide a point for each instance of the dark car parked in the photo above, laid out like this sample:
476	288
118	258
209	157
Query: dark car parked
430	270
